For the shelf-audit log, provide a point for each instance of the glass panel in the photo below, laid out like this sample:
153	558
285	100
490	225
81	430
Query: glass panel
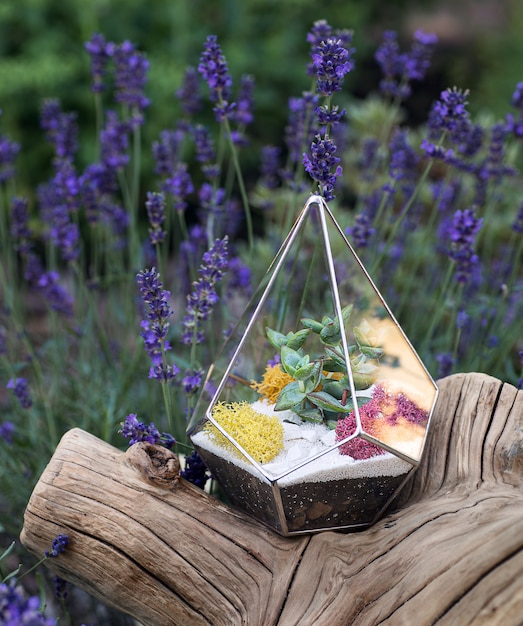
317	370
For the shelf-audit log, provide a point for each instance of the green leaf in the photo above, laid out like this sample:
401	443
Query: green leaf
290	360
346	312
334	388
364	334
276	339
293	340
315	378
327	402
337	358
296	340
372	353
7	551
311	324
330	335
364	375
289	397
310	415
303	369
12	574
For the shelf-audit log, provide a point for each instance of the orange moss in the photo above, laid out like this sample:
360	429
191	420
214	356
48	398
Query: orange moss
273	381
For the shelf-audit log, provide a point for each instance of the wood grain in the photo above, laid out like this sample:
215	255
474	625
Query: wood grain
167	553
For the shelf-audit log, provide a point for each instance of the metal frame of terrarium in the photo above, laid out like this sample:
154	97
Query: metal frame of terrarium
274	480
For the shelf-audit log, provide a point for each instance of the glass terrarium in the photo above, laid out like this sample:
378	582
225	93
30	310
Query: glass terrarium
316	412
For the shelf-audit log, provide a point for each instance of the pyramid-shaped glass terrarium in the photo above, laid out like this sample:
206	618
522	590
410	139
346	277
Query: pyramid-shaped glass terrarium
316	411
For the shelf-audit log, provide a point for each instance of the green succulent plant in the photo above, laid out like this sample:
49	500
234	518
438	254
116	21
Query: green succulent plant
320	391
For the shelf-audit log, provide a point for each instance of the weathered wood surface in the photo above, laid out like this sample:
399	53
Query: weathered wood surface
167	553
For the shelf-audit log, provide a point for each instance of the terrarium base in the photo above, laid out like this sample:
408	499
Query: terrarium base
308	506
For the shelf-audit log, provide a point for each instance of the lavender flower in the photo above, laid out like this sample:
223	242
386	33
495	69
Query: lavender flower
403	159
449	115
390	61
57	200
135	431
417	62
462	318
212	201
155	206
463	231
320	31
362	230
472	141
203	142
329	116
449	122
400	68
432	151
189	93
301	126
166	151
322	166
213	67
60	588
517	225
8	152
514	124
20	225
21	391
156	324
100	177
131	69
61	129
191	381
17	609
114	141
47	284
445	363
96	187
97	49
58	298
7	431
58	546
494	166
205	152
243	112
179	185
331	61
270	162
195	470
203	298
239	277
368	158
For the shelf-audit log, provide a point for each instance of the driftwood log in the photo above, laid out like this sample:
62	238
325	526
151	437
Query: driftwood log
154	546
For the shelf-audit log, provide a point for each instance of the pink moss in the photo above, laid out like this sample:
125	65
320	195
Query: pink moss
358	448
382	405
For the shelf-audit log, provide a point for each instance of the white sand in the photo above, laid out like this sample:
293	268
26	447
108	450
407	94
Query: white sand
301	442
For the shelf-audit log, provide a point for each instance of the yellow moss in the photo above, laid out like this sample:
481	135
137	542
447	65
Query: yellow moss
258	434
274	380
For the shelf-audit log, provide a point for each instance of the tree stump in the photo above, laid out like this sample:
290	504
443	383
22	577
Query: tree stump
152	545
